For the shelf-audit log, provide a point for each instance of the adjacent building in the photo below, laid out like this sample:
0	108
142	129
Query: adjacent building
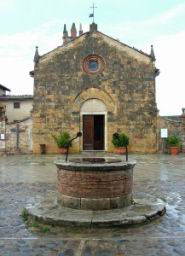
15	122
18	107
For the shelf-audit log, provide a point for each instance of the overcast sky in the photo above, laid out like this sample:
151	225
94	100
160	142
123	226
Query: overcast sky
139	23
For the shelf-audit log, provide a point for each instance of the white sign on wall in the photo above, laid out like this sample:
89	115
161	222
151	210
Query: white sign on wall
164	133
2	136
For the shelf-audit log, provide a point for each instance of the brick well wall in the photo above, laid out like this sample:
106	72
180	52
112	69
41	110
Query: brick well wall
94	184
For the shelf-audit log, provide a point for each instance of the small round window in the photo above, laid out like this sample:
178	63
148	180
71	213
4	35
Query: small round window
93	64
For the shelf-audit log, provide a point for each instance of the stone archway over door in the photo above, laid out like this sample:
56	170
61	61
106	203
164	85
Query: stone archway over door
94	116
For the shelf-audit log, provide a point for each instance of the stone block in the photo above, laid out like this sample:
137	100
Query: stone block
120	202
68	201
95	204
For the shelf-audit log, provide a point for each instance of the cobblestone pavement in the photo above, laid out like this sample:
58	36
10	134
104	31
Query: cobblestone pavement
24	179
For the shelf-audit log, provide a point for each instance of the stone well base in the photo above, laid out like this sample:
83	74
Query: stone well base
144	209
94	204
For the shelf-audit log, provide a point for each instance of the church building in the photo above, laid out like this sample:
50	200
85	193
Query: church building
97	85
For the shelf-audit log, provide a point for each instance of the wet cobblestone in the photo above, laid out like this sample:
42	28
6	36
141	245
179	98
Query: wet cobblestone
24	178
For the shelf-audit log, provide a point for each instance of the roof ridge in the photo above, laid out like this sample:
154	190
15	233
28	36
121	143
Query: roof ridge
14	95
140	51
5	88
6	97
63	46
91	32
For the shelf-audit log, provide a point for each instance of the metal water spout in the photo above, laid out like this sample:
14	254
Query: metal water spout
79	134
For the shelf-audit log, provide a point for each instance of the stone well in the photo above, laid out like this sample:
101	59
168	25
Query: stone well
96	192
95	183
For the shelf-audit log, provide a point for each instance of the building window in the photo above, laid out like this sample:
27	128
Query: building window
93	64
16	104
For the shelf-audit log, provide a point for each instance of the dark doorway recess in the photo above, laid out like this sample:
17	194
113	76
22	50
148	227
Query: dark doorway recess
93	132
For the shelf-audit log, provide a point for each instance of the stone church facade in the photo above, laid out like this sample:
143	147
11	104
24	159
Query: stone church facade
96	85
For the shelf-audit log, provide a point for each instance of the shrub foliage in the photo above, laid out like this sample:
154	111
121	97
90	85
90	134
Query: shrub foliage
120	140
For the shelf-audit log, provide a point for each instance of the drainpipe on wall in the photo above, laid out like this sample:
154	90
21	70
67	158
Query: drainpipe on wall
17	137
5	137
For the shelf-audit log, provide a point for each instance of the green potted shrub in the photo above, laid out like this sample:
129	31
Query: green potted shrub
120	142
173	142
63	141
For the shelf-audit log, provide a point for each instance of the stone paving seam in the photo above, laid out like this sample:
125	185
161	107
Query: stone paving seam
80	248
95	239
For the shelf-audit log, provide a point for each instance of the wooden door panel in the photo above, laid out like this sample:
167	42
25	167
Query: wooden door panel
99	132
88	132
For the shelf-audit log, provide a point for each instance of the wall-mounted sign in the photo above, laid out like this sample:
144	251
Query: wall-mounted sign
164	133
2	136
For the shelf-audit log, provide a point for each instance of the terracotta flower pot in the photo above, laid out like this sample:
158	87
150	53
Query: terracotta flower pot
62	150
174	150
120	150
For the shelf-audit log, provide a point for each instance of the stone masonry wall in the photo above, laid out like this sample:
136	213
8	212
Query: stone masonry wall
19	137
126	86
2	128
175	126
